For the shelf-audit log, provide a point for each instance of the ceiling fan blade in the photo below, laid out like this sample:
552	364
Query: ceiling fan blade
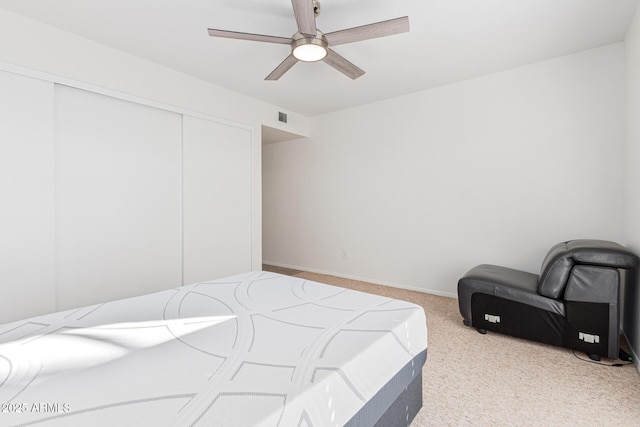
305	16
342	65
285	66
370	31
248	36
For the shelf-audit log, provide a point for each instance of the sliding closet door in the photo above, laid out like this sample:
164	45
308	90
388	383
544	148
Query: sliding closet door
216	199
26	194
118	218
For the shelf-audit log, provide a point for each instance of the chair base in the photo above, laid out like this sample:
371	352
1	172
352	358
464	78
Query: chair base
585	326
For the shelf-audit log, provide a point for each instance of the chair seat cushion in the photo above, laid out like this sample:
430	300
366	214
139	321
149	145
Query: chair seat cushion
502	282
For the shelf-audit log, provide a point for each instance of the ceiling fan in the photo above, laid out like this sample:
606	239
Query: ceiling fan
309	44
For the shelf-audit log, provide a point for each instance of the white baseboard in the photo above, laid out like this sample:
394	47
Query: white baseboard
363	279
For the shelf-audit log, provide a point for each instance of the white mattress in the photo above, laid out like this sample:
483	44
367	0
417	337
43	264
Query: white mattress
253	349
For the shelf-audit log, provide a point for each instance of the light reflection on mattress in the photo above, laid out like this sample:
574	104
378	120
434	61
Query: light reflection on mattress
71	349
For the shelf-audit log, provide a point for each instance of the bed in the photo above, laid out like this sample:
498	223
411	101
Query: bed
257	349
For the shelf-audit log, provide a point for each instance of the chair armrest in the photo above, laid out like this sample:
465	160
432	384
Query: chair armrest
602	253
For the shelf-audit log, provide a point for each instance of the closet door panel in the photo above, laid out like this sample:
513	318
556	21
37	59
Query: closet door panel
118	218
217	177
26	194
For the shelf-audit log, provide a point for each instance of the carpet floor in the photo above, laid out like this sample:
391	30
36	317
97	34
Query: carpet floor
471	379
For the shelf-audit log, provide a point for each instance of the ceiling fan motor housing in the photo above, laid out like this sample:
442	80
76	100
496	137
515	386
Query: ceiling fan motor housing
318	44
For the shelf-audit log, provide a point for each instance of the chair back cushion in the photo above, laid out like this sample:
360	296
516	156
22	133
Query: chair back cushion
561	258
555	271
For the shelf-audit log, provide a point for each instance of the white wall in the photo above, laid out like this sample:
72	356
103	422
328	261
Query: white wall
421	188
38	50
36	46
631	321
103	198
27	225
39	53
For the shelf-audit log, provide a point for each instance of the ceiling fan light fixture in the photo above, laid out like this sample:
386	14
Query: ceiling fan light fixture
309	49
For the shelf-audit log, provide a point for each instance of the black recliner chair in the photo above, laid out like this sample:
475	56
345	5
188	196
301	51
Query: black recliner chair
573	303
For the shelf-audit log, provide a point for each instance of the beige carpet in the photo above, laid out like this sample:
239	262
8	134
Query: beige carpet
471	379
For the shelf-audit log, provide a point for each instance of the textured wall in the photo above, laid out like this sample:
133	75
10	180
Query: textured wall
416	190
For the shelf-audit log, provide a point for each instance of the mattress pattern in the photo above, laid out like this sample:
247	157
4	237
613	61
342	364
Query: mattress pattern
253	349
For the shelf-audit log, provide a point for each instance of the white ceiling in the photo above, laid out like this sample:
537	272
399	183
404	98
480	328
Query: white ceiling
450	40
